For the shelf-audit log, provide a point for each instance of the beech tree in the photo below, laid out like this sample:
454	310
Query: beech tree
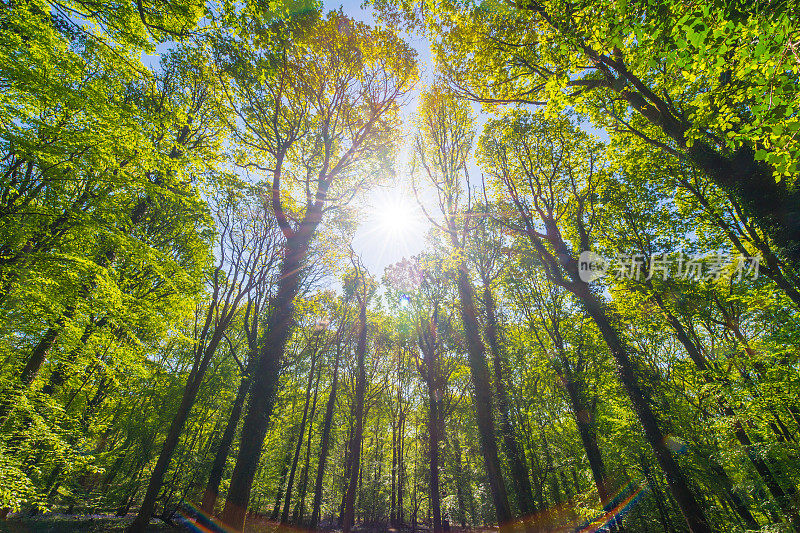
441	150
425	284
548	172
322	126
247	245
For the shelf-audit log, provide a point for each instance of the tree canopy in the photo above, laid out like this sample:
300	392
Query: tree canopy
596	331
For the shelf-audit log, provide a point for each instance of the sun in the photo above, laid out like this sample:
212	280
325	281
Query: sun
396	218
393	227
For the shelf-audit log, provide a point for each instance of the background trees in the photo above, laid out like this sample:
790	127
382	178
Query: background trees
441	150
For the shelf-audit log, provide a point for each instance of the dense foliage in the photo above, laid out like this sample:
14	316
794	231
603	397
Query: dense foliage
601	332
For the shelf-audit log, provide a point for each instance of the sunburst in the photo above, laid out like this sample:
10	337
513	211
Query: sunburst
394	227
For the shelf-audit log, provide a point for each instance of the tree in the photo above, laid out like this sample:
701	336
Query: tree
441	150
330	405
547	307
247	244
485	250
646	241
337	122
547	172
315	354
425	286
362	290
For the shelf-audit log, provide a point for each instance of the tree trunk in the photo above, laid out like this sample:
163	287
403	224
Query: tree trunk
657	497
676	479
482	397
358	430
773	267
288	495
42	348
393	499
59	376
584	420
276	509
736	502
221	455
298	518
550	515
678	483
262	395
459	481
38	355
394	515
433	453
519	470
780	496
325	441
401	467
173	436
346	474
753	185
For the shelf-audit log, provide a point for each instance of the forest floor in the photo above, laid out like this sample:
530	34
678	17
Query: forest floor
62	523
58	523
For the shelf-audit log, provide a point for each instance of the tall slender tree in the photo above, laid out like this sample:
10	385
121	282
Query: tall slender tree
548	172
441	150
246	246
321	125
362	292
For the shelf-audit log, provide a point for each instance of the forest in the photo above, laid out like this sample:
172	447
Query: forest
410	265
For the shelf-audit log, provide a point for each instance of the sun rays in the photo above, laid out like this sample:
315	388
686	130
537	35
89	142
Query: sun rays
394	227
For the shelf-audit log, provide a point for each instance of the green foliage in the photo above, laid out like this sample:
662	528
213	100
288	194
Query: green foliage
136	137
